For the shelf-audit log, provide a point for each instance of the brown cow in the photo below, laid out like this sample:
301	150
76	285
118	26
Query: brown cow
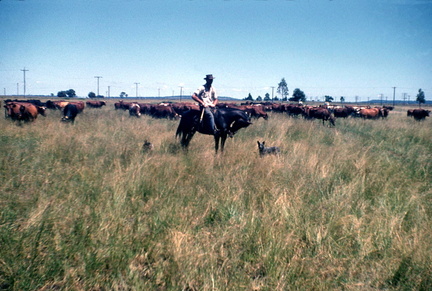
163	111
122	105
145	108
343	112
95	104
182	107
320	113
60	104
23	112
80	105
254	111
371	113
294	110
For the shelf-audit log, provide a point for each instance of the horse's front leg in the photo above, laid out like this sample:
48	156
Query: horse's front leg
217	138
223	138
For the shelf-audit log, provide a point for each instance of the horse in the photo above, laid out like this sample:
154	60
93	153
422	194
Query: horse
228	121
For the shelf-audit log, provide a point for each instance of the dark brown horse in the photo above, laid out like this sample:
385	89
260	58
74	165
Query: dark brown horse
227	120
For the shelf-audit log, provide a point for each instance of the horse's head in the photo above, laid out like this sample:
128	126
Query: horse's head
239	124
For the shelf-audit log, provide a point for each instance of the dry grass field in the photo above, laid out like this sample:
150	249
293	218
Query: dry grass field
341	208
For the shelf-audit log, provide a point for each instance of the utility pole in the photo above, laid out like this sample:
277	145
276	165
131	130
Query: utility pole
98	77
159	92
17	89
24	71
4	90
109	91
181	92
136	88
394	92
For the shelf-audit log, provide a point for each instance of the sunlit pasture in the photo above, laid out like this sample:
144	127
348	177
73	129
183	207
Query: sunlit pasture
83	207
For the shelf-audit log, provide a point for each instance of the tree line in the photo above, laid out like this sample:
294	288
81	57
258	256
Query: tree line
299	95
282	89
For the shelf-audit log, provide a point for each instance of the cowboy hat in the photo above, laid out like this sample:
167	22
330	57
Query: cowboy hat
209	77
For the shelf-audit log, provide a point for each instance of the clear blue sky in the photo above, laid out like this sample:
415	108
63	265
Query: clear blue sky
339	48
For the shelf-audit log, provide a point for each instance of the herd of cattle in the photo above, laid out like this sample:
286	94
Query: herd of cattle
28	110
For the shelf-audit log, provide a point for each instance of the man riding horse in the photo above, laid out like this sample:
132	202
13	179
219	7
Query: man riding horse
207	98
220	123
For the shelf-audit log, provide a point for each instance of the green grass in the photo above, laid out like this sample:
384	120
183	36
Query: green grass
345	208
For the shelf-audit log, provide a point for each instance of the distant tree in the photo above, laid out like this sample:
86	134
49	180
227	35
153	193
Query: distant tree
123	94
249	97
342	99
275	98
421	97
259	98
61	94
71	93
298	95
267	97
328	98
91	95
283	88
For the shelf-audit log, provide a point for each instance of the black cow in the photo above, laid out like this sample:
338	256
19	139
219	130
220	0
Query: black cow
70	112
418	114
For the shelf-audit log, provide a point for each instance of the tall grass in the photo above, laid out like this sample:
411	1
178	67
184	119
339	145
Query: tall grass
84	208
